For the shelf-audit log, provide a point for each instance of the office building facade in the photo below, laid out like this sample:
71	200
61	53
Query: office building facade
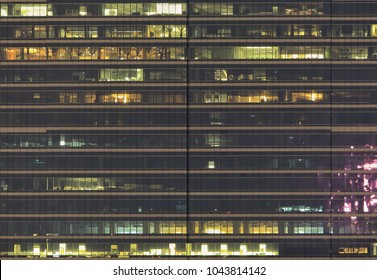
188	129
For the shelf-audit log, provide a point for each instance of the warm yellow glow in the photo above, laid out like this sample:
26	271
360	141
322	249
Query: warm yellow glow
62	248
204	249
172	248
83	10
156	252
3	10
243	249
373	30
223	249
213	231
11	54
307	96
169	8
82	249
17	249
256	52
211	164
36	250
262	248
34	10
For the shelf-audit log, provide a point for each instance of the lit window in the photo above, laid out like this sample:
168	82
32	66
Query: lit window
83	11
3	10
33	10
221	74
204	249
307	97
82	249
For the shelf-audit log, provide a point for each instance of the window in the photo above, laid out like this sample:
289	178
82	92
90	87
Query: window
3	10
83	10
262	227
33	10
260	52
111	75
221	75
110	10
308	228
218	227
73	32
307	97
121	98
169	9
213	140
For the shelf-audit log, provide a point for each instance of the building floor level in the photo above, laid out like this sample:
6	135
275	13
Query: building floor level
188	129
